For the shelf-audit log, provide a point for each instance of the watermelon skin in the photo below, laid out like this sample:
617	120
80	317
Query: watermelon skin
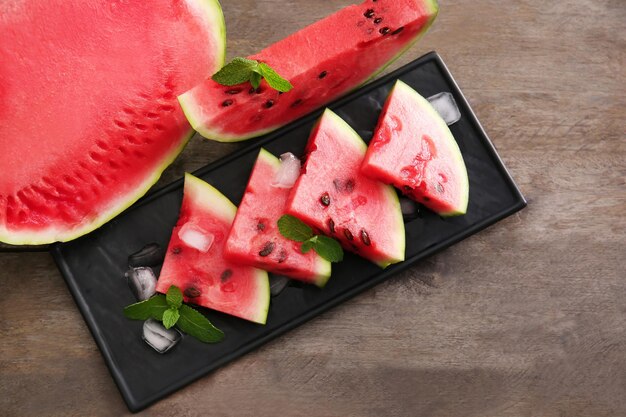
88	111
413	149
363	215
256	225
205	277
323	62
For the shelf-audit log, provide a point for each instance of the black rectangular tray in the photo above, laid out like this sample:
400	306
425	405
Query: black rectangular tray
94	265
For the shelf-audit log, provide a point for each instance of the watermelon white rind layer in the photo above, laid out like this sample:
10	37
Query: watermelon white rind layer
203	105
190	20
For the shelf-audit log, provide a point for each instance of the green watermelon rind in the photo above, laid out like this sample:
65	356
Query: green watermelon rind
392	196
447	139
323	267
214	18
193	111
224	209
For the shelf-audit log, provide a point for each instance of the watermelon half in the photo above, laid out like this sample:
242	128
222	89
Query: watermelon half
414	150
88	110
323	61
194	261
333	195
255	239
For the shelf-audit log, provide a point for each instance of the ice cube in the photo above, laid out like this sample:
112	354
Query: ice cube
150	255
277	284
446	106
289	171
158	337
410	208
142	282
195	237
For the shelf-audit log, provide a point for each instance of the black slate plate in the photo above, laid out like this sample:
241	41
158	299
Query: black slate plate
94	265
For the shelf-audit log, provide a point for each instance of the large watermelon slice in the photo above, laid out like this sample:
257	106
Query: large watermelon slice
88	110
414	150
333	196
254	238
194	261
323	61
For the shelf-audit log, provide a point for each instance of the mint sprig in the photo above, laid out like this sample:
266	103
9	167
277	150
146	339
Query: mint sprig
171	311
240	70
295	229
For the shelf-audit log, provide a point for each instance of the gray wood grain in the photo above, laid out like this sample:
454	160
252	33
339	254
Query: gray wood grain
528	318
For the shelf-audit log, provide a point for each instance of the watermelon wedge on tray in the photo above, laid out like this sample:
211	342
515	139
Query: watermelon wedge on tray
333	195
88	110
323	62
194	261
255	239
413	149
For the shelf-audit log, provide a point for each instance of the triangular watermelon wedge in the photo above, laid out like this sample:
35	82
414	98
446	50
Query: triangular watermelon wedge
194	261
333	195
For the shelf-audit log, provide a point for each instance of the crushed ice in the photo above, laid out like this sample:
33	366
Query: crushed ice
277	284
446	106
289	171
195	237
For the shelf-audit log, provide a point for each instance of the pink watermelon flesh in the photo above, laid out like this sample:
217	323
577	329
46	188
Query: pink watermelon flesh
254	238
323	61
414	150
194	261
334	197
88	110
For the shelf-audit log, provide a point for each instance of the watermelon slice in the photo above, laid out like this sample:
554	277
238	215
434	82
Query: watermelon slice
334	197
88	110
323	61
194	261
254	238
414	150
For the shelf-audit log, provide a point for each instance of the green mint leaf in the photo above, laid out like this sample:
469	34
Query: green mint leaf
238	71
307	246
170	317
328	249
174	297
274	79
195	324
294	229
255	79
151	308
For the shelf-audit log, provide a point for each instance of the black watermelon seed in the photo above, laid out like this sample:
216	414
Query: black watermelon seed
233	91
322	74
369	13
384	30
227	103
378	20
365	237
267	249
426	198
296	103
192	292
269	103
251	90
348	234
260	226
282	257
331	225
325	199
176	250
349	185
354	247
226	275
400	29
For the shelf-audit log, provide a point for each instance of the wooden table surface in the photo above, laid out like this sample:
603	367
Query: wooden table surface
527	318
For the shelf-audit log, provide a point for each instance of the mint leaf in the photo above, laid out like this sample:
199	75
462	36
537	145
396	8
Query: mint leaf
151	308
195	324
307	246
255	79
294	229
174	297
328	248
273	79
170	317
236	72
